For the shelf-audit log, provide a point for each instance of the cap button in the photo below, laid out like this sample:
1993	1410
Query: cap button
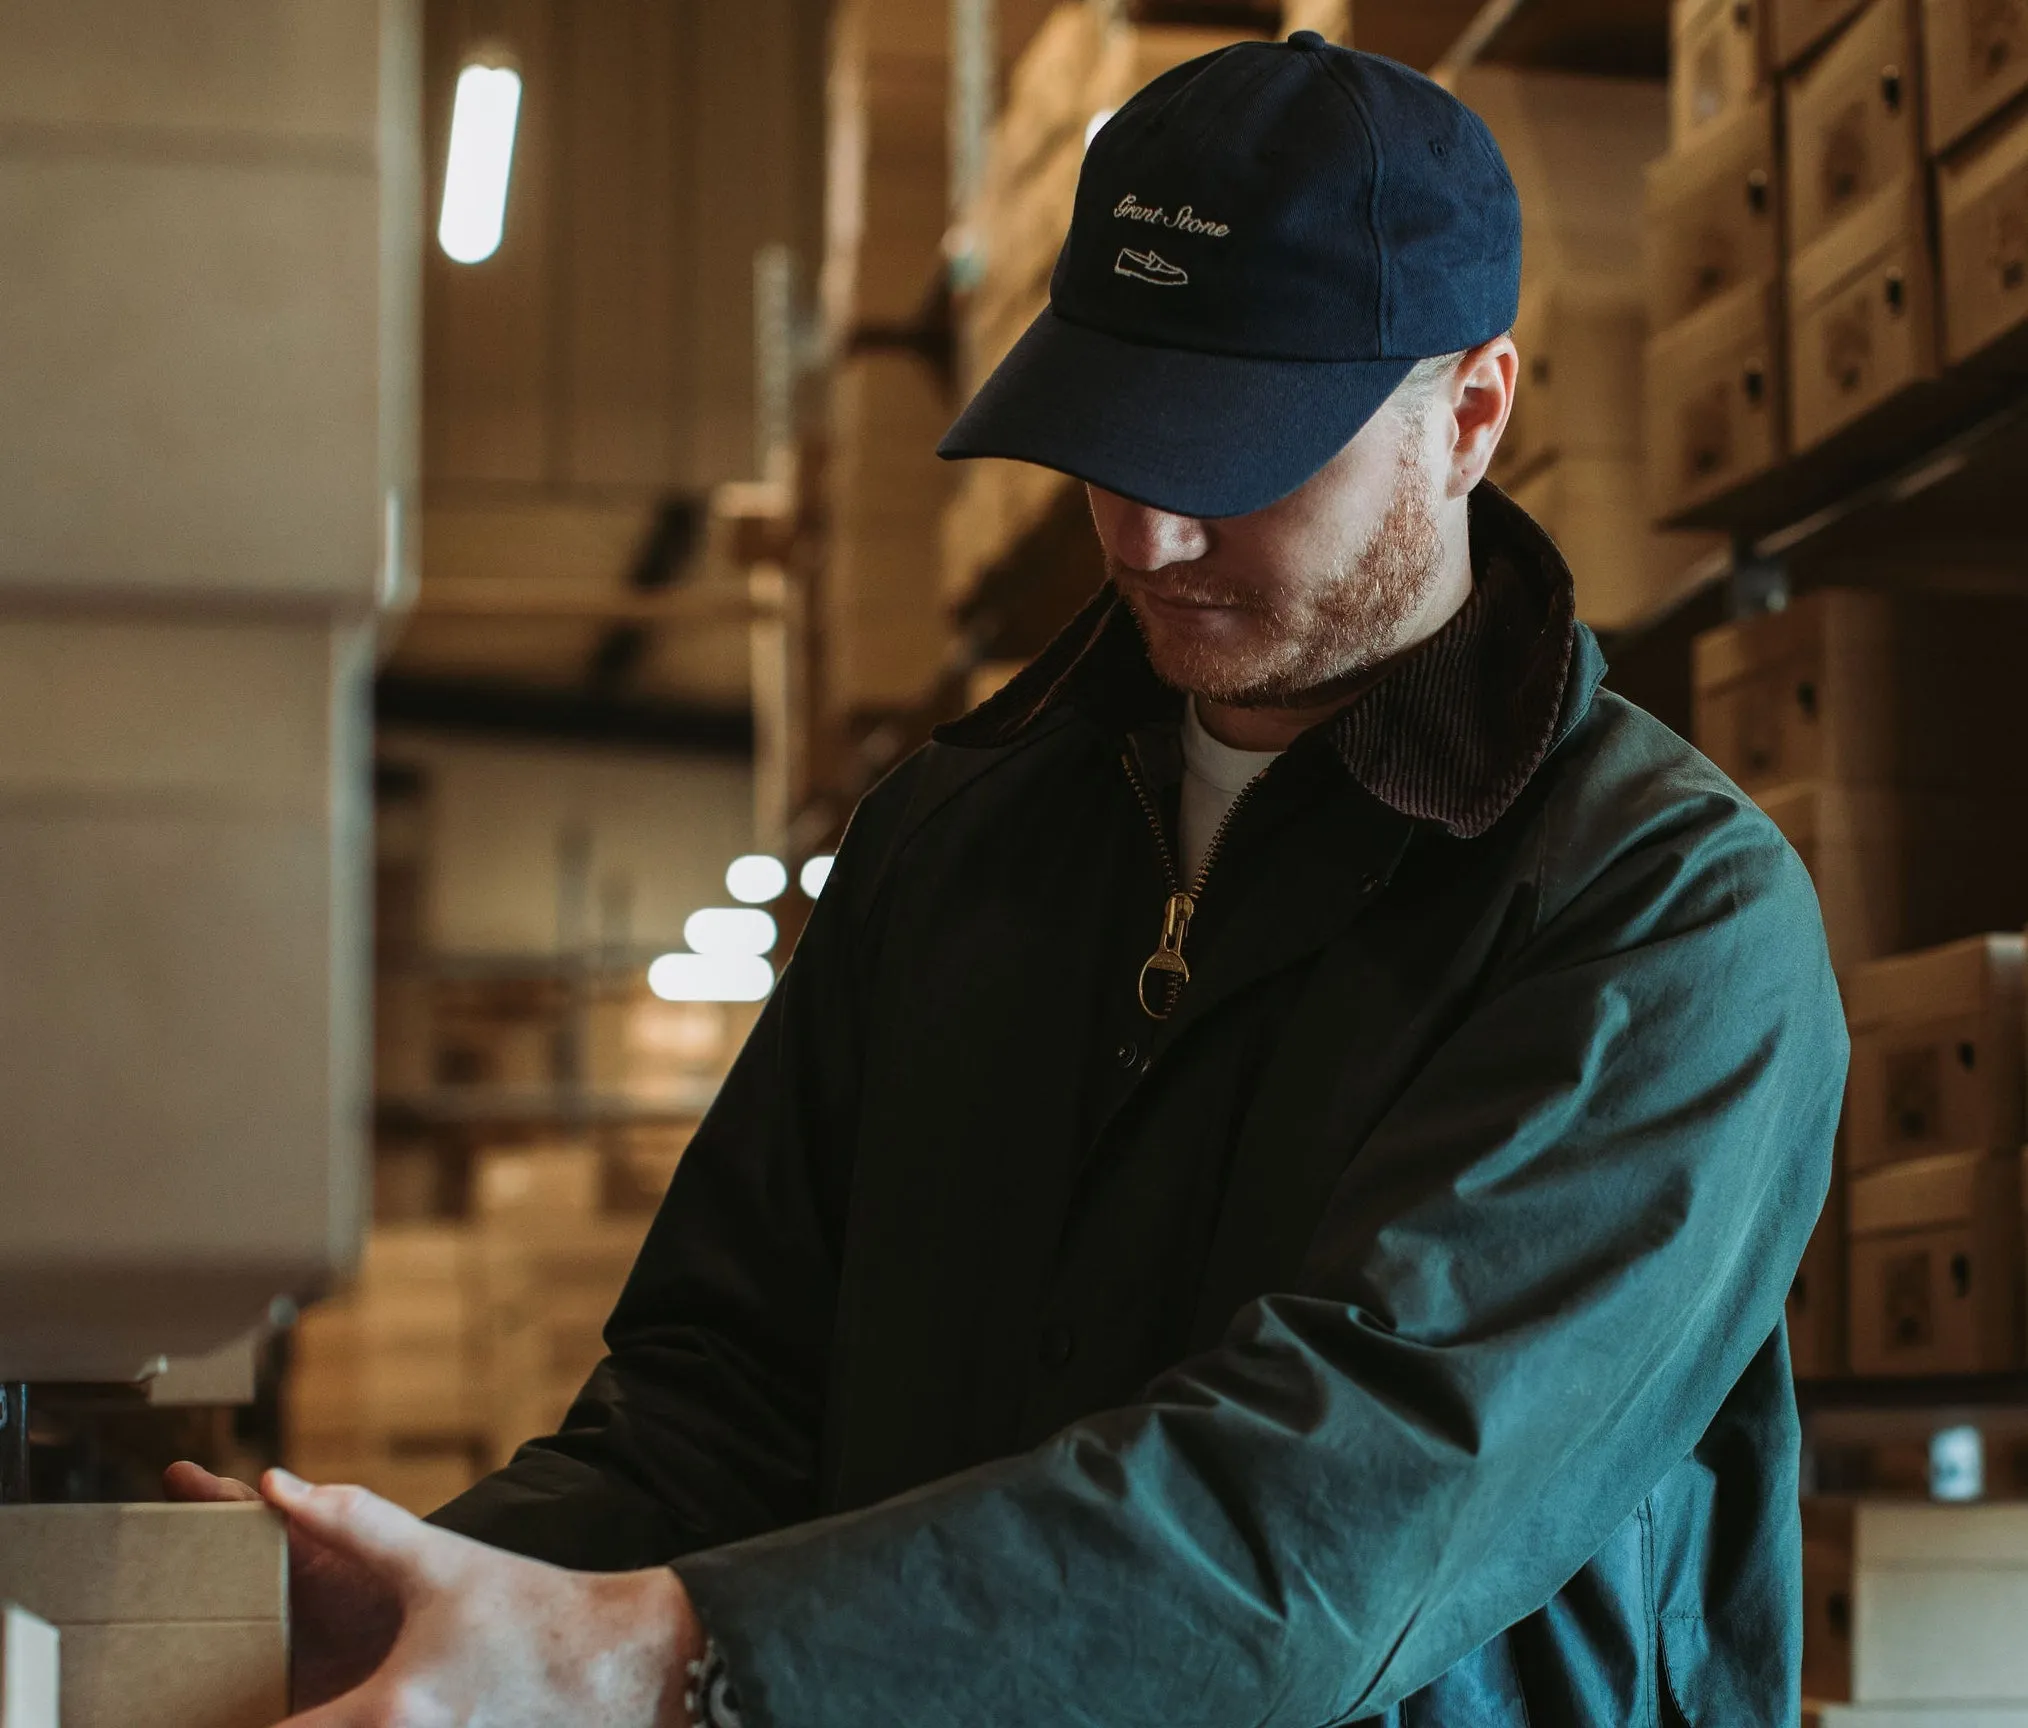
1307	39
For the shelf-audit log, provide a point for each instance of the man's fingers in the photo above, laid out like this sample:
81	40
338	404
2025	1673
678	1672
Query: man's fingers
193	1483
353	1710
400	1549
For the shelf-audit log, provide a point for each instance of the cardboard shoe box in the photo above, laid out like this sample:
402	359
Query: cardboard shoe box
1936	1265
1594	508
1815	1309
1798	26
1850	122
1858	686
173	1616
1718	61
1714	400
1982	193
1712	215
1912	1613
1580	345
1862	307
1975	61
1936	1052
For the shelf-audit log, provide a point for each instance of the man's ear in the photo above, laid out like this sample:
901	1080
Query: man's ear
1482	397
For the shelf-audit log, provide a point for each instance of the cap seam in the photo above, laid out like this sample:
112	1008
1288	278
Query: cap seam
1383	322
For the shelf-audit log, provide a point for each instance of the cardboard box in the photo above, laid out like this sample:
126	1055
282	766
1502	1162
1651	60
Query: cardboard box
1862	687
1713	215
1896	870
1912	1613
1982	193
404	1053
1975	61
1862	308
537	1184
1815	1309
1577	147
1801	25
1714	399
1936	1265
1936	1053
75	1565
1581	348
1594	508
1718	62
1850	122
176	1674
1827	1600
29	1654
175	1616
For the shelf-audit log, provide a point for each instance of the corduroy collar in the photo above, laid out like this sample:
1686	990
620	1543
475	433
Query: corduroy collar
1450	733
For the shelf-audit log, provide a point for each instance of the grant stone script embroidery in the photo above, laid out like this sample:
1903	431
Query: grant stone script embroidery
1184	221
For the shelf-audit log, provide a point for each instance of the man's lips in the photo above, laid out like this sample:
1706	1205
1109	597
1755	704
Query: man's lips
1183	605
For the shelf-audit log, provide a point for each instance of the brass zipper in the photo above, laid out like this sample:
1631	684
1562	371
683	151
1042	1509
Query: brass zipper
1167	964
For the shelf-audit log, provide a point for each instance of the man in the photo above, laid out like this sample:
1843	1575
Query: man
1266	1194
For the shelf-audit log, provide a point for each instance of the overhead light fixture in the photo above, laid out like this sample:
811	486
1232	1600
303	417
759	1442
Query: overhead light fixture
711	978
483	118
729	930
756	879
815	873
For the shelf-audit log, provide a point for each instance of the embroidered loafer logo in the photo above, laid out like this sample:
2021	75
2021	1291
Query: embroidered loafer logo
1150	267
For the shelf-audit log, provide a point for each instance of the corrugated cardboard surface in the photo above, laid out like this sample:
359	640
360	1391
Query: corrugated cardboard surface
170	1674
1983	194
1851	121
1975	58
1713	215
82	1564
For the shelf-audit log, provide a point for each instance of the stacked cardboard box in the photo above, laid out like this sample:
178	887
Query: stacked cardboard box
1932	1133
1976	62
1875	730
387	1383
176	1616
459	1341
1913	1614
1572	455
1861	274
1714	278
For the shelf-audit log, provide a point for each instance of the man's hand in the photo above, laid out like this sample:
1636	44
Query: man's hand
490	1640
344	1617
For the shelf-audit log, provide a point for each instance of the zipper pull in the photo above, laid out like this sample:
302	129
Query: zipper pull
1167	961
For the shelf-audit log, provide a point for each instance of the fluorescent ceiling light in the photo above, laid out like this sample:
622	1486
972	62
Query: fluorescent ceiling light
756	879
729	930
816	872
711	978
481	157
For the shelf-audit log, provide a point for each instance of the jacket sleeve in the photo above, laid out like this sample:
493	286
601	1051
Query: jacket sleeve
1529	1295
701	1425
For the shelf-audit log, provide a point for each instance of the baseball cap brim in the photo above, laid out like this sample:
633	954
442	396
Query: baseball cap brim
1192	433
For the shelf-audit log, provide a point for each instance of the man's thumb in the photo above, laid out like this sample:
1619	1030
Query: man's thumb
382	1537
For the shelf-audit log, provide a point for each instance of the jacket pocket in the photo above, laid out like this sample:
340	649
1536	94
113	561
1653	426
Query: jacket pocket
1680	1673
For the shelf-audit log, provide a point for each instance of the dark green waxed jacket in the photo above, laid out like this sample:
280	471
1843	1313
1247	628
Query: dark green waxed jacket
1468	1176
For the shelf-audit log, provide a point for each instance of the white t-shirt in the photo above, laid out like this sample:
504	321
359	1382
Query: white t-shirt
1214	774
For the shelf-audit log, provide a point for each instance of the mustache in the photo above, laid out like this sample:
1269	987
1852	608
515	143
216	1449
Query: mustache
1193	591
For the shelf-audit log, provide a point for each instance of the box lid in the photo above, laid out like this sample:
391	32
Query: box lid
1923	1193
1890	221
1957	978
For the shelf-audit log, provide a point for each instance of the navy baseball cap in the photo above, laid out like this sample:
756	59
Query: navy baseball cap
1265	242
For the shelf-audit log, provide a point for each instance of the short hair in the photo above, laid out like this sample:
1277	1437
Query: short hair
1425	375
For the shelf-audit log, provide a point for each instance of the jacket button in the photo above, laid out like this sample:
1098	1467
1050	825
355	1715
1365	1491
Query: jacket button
1057	1347
1128	1055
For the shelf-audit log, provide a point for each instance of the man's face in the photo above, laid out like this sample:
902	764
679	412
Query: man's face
1253	611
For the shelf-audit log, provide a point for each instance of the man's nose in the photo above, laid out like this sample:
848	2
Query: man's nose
1146	539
